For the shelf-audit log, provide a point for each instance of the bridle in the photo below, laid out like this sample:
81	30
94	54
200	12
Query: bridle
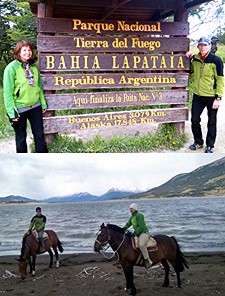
102	251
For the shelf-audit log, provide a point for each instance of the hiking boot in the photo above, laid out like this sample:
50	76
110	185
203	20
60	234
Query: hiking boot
195	146
208	149
148	263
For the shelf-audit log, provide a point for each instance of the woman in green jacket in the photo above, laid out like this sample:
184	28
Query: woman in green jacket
24	97
137	220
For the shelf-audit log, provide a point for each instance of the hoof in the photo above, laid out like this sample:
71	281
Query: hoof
33	273
57	264
133	292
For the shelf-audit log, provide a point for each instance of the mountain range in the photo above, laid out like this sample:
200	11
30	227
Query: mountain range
207	180
113	193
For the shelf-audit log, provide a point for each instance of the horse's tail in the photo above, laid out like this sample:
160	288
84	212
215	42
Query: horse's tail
60	247
180	262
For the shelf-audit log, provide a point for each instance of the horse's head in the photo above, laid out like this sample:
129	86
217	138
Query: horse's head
24	256
111	234
22	265
102	238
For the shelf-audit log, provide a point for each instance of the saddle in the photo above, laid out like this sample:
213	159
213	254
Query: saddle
35	234
151	245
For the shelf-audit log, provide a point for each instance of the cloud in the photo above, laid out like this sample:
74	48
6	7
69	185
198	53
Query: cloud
44	175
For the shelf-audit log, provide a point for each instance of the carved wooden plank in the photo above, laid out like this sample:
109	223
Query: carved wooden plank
115	99
64	124
111	80
80	26
112	62
111	44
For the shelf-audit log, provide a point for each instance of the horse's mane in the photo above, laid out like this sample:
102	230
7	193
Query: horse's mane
120	229
116	228
23	245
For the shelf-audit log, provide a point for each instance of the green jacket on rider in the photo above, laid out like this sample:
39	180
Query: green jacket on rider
137	220
38	223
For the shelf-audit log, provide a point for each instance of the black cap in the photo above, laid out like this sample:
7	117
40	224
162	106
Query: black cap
38	209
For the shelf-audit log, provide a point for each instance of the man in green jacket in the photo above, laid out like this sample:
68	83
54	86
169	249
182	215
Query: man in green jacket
38	223
137	220
207	69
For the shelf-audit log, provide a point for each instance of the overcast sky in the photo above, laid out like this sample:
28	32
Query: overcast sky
45	175
210	24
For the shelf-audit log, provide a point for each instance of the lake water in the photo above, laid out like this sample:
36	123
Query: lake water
197	223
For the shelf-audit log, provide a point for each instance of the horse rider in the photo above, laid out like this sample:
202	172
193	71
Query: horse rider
38	223
137	221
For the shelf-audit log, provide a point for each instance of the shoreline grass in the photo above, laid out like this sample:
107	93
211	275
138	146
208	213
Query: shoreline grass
165	138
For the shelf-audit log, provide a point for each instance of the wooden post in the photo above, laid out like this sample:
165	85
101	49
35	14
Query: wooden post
180	15
46	10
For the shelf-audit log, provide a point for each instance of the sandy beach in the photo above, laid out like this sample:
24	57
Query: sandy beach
92	274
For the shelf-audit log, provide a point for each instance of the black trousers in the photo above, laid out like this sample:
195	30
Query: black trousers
198	105
36	121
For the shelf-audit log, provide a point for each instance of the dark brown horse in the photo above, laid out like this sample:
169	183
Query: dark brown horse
31	247
120	242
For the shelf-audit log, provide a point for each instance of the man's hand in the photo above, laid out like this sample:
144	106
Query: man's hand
216	104
189	54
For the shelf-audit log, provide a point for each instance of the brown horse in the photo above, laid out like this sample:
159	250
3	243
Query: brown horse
121	244
31	247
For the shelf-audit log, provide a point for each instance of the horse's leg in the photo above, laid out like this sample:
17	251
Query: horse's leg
30	265
167	270
56	256
33	264
51	258
129	275
178	279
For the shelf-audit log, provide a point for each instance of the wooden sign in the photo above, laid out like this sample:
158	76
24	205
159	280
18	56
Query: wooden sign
111	44
78	26
115	99
112	62
140	63
64	124
111	80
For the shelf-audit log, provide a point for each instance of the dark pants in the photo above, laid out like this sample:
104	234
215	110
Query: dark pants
36	121
198	105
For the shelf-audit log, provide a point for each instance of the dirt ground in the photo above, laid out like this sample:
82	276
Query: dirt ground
92	274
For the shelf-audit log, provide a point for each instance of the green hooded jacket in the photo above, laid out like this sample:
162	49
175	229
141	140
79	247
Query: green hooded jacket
17	91
137	220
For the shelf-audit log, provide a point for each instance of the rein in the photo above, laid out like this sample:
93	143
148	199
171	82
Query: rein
114	252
